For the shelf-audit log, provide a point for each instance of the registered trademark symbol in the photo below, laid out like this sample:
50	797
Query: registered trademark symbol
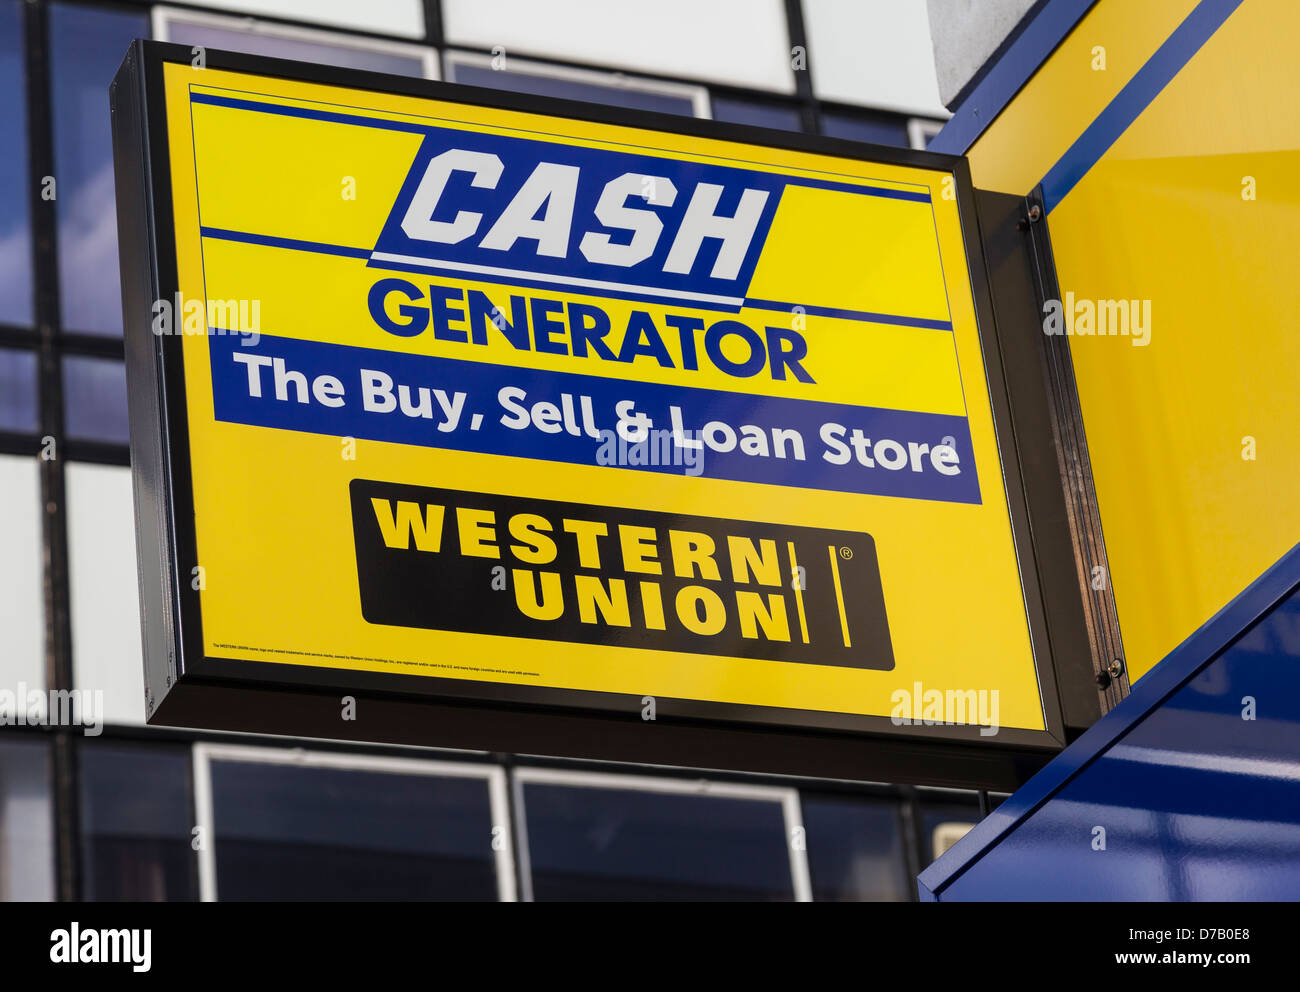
846	553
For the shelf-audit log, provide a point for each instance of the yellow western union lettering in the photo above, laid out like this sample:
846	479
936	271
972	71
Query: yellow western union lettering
747	561
593	596
692	555
551	606
477	532
588	533
772	618
398	528
701	609
638	548
652	605
537	549
689	601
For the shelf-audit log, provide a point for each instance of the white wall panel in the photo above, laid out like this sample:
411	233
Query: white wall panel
106	652
740	42
874	53
22	600
966	33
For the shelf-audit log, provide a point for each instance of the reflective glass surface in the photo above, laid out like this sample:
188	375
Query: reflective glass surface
26	820
855	849
878	129
86	47
137	821
357	56
15	215
17	390
94	393
288	832
755	113
569	89
625	844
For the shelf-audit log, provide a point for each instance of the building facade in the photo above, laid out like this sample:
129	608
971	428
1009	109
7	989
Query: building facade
132	812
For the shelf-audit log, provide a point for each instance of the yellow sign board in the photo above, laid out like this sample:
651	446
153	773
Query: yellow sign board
520	399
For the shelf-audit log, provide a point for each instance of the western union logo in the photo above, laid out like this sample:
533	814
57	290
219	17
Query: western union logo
489	564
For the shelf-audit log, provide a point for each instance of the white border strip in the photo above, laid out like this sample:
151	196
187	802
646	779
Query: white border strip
207	852
521	838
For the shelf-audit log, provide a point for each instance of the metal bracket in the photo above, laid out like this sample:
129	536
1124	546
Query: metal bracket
1076	475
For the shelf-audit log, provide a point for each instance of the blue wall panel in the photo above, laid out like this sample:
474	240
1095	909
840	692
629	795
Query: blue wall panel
1195	780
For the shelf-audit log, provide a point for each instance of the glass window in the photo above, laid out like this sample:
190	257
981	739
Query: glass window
86	47
137	815
106	651
921	132
26	821
520	76
302	44
855	849
732	42
624	843
879	129
404	18
945	818
94	392
311	832
775	115
17	389
22	602
15	216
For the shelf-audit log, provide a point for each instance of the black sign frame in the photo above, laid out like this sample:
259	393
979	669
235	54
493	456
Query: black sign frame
186	688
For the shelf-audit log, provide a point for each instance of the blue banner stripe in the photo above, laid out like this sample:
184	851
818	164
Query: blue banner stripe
1169	59
807	443
294	244
433	268
323	248
310	113
864	315
362	120
891	194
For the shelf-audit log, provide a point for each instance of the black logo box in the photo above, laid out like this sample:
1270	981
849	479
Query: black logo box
446	590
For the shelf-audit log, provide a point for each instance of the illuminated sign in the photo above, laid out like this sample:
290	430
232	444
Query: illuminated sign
499	401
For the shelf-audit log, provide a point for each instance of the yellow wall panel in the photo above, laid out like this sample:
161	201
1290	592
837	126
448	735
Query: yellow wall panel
1189	520
1067	93
1166	216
